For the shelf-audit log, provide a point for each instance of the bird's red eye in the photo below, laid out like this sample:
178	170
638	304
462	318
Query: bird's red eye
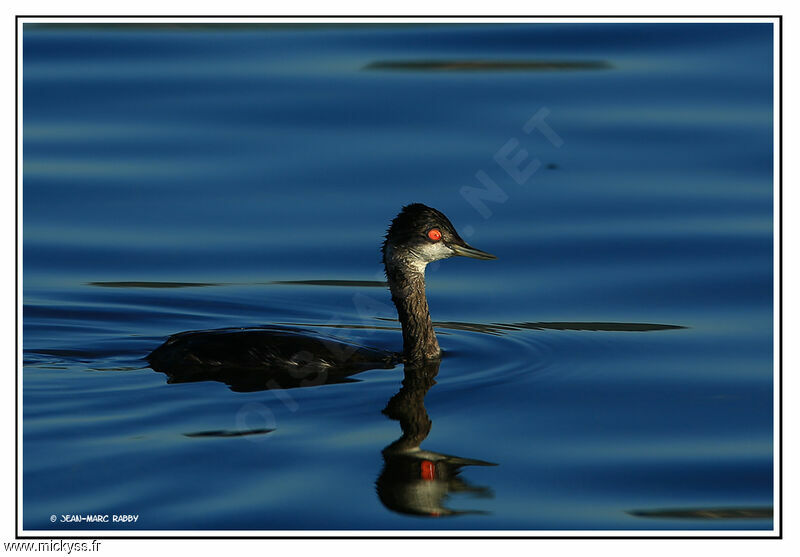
435	234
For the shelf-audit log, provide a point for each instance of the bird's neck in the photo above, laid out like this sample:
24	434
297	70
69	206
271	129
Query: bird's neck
407	284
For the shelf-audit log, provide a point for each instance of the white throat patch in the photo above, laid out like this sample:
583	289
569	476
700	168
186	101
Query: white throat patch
418	258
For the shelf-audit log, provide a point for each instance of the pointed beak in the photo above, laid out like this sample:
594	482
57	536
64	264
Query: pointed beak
469	251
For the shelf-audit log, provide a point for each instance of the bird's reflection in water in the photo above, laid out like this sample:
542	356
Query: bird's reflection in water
413	481
416	481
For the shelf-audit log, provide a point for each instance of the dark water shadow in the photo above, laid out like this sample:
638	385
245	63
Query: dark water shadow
488	65
503	328
72	354
414	481
81	356
146	284
500	328
359	283
229	433
706	513
168	284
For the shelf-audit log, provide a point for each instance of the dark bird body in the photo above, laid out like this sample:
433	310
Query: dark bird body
257	358
281	357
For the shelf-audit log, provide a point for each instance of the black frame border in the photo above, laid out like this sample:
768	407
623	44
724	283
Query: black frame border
779	146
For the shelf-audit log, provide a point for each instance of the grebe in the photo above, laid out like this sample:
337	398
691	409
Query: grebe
257	358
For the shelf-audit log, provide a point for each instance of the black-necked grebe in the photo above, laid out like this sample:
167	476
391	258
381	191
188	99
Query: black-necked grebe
286	357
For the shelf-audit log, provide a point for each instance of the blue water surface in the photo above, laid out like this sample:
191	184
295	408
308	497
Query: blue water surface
612	370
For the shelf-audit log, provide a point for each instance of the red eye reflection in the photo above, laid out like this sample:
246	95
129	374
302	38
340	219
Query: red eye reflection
434	234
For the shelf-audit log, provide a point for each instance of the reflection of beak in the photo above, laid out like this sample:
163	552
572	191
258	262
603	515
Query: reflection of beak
469	251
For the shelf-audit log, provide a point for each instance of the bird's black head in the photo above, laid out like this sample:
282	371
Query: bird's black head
420	235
